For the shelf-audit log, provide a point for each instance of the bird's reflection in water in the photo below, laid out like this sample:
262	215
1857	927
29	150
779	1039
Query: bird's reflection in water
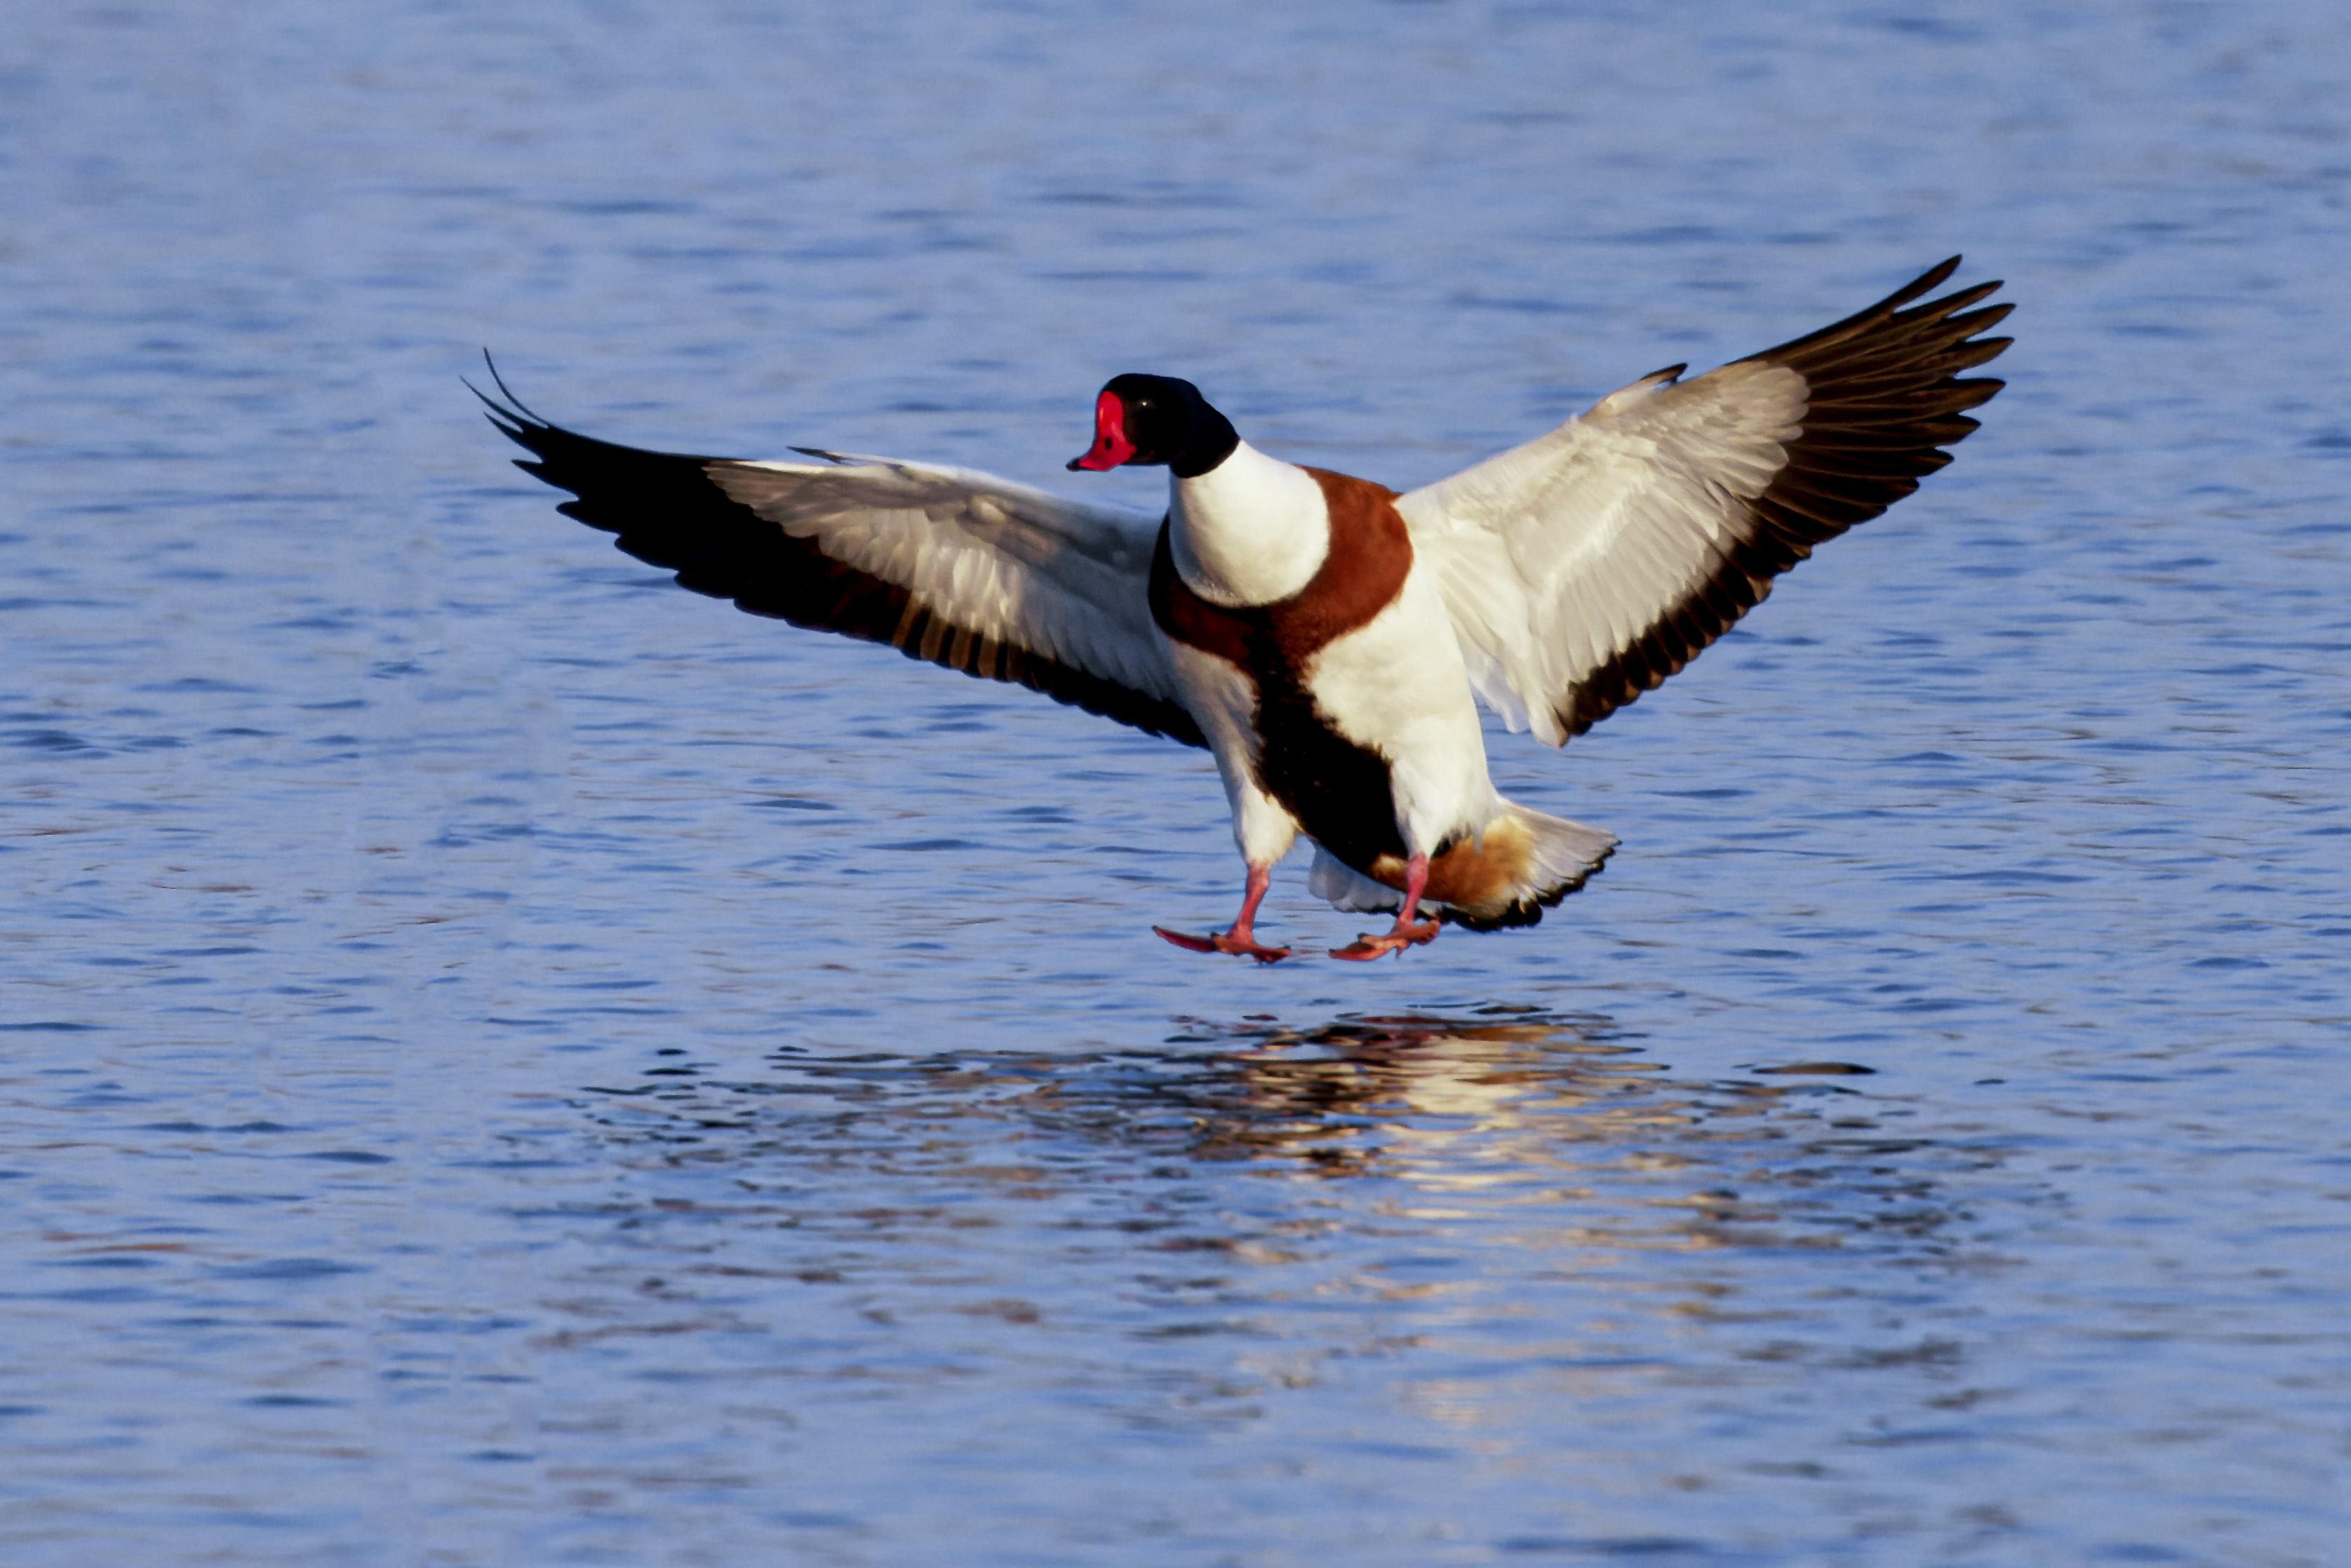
1532	1228
1435	1100
1551	1125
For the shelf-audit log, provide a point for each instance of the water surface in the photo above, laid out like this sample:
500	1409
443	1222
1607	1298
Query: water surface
508	1062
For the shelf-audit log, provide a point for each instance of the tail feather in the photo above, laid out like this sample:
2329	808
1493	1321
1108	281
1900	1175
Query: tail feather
1564	856
1526	863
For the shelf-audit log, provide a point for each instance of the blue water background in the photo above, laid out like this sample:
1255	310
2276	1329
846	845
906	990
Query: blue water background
507	1062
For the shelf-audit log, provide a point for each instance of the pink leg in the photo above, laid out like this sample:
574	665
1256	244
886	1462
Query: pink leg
1405	933
1242	937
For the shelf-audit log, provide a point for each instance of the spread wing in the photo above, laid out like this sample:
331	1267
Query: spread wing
1586	567
949	565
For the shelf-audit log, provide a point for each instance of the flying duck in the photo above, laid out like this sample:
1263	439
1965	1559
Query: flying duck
1322	636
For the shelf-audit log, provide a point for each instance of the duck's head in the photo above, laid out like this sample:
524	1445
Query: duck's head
1156	420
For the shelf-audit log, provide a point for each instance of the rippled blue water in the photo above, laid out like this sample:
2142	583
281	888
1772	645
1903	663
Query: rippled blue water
505	1062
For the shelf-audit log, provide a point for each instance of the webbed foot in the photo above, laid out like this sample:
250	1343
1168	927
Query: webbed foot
1224	942
1364	948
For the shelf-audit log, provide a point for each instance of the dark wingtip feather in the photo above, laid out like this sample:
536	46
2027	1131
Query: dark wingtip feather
515	420
1883	400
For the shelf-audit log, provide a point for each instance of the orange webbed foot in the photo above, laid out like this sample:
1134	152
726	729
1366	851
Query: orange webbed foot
1224	942
1367	947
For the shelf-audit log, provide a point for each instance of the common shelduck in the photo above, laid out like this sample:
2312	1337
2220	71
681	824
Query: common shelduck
1322	636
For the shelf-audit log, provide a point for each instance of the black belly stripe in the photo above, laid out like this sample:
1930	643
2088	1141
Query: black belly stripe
1339	791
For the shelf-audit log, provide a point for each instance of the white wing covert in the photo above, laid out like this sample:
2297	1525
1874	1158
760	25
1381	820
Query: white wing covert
1586	567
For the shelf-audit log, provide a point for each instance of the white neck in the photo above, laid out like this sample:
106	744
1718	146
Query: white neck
1250	531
